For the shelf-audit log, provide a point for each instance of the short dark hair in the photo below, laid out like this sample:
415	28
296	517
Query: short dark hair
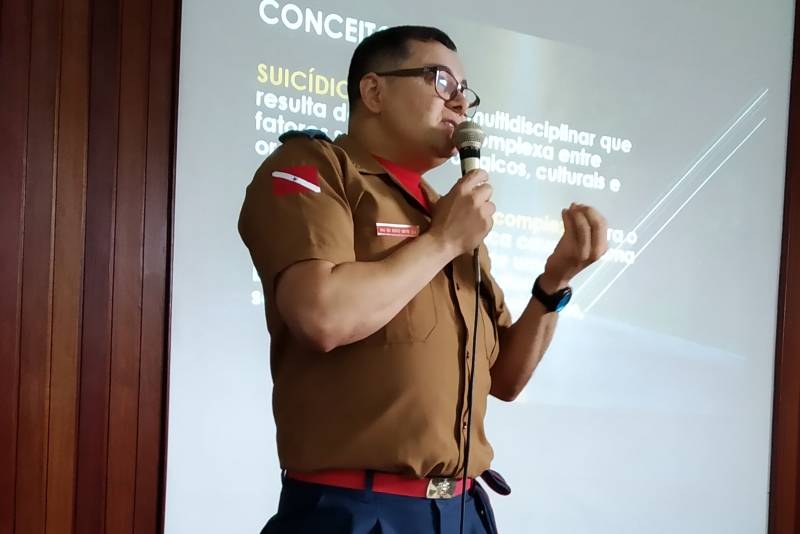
385	47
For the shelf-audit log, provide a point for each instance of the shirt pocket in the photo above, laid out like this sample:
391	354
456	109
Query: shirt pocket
413	324
375	220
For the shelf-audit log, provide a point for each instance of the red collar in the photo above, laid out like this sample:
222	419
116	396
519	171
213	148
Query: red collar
410	179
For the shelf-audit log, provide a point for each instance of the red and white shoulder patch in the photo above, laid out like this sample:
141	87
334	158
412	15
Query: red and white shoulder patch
293	180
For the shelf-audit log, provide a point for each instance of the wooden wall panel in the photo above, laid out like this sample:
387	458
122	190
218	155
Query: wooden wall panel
161	125
37	271
15	63
785	475
127	310
87	170
98	267
68	246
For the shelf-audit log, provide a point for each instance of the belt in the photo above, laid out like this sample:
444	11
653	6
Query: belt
430	488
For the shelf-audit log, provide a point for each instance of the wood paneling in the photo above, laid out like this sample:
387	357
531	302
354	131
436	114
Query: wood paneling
98	268
15	27
161	126
71	136
128	240
37	270
87	157
785	476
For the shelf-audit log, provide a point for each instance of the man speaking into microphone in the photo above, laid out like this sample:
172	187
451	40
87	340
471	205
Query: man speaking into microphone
371	303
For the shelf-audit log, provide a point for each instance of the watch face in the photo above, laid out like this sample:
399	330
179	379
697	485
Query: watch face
564	300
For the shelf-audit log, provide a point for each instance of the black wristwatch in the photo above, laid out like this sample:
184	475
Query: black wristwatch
554	302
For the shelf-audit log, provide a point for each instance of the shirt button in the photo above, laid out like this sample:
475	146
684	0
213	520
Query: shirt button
465	425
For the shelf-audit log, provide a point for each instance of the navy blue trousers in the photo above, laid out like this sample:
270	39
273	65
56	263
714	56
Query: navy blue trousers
306	508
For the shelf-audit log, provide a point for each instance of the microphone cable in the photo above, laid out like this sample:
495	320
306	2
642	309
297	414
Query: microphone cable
471	382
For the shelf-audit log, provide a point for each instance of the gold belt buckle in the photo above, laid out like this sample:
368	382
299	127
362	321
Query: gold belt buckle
441	488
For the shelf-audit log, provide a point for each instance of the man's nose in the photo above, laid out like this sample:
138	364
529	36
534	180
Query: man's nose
458	104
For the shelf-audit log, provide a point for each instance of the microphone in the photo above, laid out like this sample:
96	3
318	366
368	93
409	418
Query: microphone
468	138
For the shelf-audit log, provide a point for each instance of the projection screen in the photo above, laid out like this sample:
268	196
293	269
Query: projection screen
651	412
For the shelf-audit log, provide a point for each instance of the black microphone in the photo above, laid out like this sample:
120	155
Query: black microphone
468	138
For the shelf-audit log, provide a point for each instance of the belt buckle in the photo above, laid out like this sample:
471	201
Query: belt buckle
441	488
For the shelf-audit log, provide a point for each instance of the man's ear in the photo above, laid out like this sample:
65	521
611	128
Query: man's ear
371	87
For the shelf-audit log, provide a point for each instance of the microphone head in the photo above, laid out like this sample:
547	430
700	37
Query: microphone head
468	135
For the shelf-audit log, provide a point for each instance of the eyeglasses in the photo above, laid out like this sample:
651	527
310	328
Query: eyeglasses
447	87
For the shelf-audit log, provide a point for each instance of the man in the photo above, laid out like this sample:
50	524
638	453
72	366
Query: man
370	302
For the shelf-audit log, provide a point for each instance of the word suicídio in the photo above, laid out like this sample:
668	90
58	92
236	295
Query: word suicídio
302	81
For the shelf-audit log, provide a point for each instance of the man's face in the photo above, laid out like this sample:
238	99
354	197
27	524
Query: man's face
414	114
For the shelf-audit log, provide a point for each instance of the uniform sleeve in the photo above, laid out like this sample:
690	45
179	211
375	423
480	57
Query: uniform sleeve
296	209
501	313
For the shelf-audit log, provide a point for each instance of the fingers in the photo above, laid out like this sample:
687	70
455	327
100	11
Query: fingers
473	179
475	184
583	233
589	229
482	193
488	209
569	223
599	244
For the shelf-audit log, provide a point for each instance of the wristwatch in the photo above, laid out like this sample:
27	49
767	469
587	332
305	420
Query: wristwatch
554	302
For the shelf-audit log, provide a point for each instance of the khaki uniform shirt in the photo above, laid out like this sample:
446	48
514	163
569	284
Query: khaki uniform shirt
396	400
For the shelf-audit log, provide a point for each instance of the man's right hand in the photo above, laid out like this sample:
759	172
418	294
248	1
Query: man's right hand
463	217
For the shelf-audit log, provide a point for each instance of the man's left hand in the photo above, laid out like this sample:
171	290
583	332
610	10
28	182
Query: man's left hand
584	241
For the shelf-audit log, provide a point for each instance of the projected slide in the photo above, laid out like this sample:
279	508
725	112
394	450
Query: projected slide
651	413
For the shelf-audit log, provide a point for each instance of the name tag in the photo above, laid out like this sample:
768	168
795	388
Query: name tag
397	230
